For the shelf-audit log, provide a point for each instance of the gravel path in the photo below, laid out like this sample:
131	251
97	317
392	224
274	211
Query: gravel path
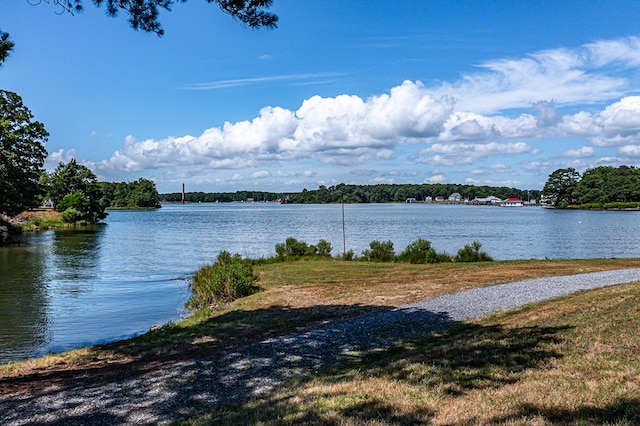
177	390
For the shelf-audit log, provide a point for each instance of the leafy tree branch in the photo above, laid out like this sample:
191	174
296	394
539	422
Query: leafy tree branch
144	15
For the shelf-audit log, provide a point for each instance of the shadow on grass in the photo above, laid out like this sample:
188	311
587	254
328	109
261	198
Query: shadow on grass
335	368
623	412
234	328
446	357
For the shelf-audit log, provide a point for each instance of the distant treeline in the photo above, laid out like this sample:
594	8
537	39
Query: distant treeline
221	197
387	193
141	193
382	193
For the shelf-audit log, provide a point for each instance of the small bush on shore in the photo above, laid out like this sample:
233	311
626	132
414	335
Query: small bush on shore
379	251
228	279
324	248
71	215
349	255
294	249
420	251
471	253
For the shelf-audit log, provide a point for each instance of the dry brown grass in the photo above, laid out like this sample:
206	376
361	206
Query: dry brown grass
37	219
575	360
304	284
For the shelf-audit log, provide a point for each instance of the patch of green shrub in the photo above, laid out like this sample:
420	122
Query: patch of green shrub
228	279
621	205
420	251
379	251
591	206
71	215
294	249
324	248
471	253
349	255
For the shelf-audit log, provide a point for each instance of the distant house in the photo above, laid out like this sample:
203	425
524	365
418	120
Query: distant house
439	199
428	199
490	200
547	200
411	200
455	197
512	202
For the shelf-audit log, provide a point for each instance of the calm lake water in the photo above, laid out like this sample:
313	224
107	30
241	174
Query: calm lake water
64	289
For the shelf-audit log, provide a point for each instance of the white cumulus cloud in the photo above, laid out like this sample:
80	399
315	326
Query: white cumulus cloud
584	152
436	179
506	108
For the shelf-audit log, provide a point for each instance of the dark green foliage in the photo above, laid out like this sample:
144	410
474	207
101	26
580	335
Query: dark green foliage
379	251
294	249
608	184
611	206
77	200
420	251
73	205
471	253
324	248
560	186
71	215
73	185
6	46
351	194
225	257
391	193
144	14
603	187
228	279
130	195
349	255
22	155
222	197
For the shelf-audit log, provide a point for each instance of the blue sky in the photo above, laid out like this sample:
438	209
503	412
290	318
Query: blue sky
371	91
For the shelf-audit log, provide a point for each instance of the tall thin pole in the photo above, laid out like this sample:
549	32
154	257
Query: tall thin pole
183	193
344	237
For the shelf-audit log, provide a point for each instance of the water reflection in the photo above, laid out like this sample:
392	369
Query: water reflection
75	259
24	323
40	279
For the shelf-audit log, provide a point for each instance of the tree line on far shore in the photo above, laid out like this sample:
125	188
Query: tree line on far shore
222	197
399	193
381	193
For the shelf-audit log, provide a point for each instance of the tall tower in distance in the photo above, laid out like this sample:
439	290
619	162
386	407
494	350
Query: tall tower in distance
183	193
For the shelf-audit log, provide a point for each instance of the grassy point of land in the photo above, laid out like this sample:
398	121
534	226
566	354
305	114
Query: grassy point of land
575	357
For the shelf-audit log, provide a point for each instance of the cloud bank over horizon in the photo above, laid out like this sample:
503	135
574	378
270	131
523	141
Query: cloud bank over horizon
556	108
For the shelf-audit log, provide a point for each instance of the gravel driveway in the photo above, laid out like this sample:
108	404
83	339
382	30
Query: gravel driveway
176	390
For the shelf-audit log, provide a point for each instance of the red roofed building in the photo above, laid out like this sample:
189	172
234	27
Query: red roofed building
512	202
